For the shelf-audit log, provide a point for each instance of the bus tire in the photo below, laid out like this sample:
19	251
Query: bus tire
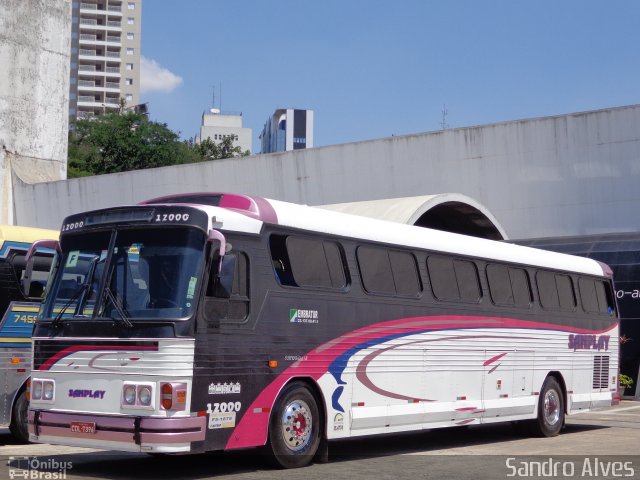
19	418
294	427
550	417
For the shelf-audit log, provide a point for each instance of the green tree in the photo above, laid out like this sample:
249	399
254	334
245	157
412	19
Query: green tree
123	140
207	149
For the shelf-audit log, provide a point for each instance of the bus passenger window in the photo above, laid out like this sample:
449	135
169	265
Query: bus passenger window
280	259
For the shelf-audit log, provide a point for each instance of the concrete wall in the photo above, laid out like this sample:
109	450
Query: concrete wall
34	86
566	175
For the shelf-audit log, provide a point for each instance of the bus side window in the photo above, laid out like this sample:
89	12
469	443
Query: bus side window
223	283
227	297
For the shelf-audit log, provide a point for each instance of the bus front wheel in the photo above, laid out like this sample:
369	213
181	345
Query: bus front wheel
550	409
19	418
294	428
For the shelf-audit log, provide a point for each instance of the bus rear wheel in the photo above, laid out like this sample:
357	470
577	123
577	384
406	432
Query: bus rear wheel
19	418
550	409
294	428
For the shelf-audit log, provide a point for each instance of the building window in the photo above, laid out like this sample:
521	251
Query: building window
131	6
129	66
130	35
129	81
129	97
129	51
130	21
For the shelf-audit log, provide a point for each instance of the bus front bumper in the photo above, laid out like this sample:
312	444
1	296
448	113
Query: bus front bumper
137	434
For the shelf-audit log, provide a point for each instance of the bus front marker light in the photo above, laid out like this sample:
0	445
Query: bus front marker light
173	396
48	390
144	395
166	396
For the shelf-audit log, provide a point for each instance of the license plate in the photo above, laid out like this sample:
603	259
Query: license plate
83	427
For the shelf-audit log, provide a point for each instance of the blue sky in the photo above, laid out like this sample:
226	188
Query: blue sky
372	69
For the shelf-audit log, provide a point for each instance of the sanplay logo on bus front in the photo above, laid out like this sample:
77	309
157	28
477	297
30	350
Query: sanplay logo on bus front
303	316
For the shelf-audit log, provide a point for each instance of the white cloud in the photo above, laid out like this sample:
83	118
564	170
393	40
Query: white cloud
155	78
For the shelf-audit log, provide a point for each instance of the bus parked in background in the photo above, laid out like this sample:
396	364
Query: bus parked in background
207	322
18	310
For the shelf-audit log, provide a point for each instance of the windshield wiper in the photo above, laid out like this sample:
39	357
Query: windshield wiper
118	307
56	321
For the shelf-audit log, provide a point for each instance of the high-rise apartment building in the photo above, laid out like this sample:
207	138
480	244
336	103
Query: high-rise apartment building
105	56
287	129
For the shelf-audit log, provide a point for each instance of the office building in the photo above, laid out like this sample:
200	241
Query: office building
105	56
287	129
218	125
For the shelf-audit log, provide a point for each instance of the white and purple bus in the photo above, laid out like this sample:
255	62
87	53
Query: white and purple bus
206	321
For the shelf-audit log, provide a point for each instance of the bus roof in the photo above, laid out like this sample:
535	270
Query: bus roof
12	233
231	216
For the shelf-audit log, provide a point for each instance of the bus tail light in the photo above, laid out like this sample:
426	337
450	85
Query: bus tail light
173	396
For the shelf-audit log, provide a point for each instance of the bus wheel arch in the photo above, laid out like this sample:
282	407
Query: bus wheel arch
297	427
19	415
551	409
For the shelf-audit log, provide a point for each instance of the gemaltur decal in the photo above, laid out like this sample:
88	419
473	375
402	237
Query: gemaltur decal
297	315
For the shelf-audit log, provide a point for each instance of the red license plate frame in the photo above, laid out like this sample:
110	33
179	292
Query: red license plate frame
86	428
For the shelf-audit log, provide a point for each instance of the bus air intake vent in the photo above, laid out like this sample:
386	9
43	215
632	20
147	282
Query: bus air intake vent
601	371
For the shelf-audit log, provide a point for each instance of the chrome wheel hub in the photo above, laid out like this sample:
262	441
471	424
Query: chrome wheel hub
551	407
296	425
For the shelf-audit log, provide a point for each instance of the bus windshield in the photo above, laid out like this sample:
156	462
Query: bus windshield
127	274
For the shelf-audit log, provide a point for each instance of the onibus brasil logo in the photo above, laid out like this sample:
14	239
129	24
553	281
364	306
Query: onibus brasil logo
36	468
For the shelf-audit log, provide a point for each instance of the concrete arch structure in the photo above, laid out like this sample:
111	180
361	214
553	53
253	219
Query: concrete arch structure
451	212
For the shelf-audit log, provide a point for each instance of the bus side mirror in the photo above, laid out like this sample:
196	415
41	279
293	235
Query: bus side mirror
216	236
224	280
30	260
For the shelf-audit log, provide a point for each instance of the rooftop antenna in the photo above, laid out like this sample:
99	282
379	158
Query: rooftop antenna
213	108
220	96
445	112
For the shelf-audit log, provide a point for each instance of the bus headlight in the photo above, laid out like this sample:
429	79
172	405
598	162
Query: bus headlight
47	390
42	390
144	395
138	395
36	390
129	395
